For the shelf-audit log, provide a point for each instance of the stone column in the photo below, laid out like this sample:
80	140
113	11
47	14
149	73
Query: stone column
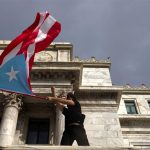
12	105
59	126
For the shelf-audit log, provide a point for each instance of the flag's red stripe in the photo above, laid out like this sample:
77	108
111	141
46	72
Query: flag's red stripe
20	38
51	35
31	39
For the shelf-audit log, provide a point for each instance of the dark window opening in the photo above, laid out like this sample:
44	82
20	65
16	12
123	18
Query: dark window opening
149	104
131	108
38	131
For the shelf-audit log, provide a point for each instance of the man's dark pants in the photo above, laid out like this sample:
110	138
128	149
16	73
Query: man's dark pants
75	132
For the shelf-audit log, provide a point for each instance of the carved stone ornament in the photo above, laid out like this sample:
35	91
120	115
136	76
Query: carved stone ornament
13	100
43	57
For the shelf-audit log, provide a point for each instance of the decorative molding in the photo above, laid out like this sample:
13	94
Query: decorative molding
133	117
99	108
44	56
13	100
141	87
47	75
91	60
97	95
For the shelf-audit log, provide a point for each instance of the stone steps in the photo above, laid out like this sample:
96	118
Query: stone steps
42	147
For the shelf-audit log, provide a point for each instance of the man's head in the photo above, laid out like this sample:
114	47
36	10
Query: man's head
70	95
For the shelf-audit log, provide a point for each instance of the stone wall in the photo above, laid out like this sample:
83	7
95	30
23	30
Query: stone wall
135	127
103	127
96	76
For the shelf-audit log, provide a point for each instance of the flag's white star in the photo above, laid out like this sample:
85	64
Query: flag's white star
12	74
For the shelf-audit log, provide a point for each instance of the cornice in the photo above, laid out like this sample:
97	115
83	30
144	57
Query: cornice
101	88
94	105
4	42
110	92
51	46
134	117
136	89
78	65
48	65
92	62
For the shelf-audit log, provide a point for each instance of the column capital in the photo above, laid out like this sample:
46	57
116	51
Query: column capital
13	100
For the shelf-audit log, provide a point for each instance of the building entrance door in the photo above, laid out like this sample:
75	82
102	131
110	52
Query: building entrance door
38	131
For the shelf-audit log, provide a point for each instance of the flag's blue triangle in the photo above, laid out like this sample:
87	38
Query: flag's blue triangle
13	76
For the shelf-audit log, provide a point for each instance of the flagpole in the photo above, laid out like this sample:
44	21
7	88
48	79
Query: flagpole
39	97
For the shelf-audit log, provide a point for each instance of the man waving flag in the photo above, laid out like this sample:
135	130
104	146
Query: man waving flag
17	58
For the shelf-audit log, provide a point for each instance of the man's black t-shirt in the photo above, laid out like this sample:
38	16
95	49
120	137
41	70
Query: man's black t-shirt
73	114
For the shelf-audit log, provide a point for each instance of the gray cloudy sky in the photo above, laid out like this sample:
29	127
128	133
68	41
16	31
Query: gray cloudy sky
119	29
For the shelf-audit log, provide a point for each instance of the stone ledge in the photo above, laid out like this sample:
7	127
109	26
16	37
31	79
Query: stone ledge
41	147
133	117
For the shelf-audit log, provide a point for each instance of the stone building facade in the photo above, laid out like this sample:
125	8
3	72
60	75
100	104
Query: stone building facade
116	116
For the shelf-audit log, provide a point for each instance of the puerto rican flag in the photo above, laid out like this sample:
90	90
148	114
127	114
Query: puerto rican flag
17	58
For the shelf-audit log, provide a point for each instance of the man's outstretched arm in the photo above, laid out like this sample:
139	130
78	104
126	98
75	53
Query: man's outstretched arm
60	100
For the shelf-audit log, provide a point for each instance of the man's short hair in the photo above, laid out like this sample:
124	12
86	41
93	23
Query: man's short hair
71	95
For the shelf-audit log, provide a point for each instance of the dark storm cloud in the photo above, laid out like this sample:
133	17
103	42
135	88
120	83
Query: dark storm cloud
101	28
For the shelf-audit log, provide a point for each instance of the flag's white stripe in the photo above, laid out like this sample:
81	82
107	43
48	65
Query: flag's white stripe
42	34
30	53
31	48
11	54
42	17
